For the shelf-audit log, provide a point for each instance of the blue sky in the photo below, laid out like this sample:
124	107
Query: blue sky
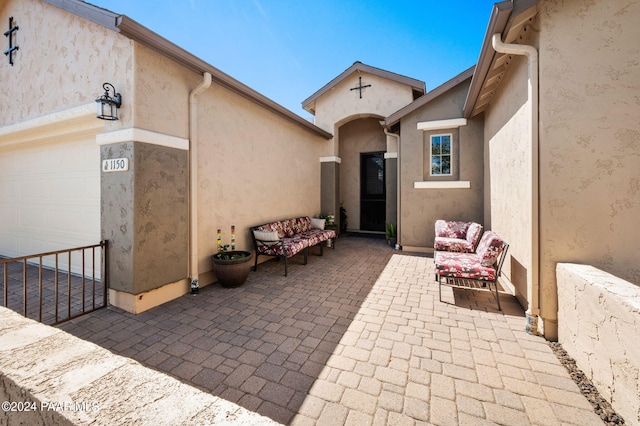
287	50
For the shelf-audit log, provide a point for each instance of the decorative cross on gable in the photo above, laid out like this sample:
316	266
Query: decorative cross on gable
360	86
9	34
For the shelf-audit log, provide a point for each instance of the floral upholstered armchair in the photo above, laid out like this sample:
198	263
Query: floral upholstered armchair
457	236
479	270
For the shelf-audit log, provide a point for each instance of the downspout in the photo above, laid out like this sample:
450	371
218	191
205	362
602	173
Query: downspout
398	213
193	182
531	53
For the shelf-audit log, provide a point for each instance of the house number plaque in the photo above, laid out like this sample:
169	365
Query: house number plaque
115	165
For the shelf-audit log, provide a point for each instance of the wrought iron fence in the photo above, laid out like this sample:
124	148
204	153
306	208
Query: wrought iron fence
57	286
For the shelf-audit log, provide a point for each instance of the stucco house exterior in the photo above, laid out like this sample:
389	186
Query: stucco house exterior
542	137
558	86
185	128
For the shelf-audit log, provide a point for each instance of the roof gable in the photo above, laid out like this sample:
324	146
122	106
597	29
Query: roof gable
417	86
429	96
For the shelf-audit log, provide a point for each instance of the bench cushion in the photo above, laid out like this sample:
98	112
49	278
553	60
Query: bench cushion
290	247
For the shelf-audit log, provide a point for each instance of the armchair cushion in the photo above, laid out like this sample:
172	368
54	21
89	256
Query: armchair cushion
451	229
489	248
463	265
457	236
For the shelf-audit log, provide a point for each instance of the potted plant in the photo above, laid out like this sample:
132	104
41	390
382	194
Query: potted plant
343	220
231	266
392	239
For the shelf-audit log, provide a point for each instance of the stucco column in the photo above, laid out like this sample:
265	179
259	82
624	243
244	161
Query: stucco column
144	216
391	187
330	186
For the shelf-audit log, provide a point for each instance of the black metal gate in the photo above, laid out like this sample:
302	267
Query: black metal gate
56	286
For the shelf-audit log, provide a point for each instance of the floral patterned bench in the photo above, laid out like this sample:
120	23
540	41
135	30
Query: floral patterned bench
473	270
457	236
286	238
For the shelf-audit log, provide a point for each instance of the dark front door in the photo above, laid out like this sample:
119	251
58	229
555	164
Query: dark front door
372	192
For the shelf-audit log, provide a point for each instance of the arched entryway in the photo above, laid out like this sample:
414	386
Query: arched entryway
362	144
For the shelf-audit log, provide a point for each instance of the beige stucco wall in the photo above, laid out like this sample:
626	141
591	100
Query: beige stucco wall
341	105
508	156
161	93
589	148
62	68
420	208
383	98
253	166
590	136
50	176
599	326
356	137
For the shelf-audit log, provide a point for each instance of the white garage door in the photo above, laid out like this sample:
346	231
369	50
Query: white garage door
50	182
49	196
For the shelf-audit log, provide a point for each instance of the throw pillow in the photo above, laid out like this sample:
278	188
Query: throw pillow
266	235
317	223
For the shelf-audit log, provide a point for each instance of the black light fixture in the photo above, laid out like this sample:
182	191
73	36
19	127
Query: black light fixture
107	105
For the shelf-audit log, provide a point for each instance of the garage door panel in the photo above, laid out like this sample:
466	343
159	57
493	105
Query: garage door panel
52	201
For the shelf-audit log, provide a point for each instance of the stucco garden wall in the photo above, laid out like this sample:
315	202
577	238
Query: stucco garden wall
49	377
599	326
422	207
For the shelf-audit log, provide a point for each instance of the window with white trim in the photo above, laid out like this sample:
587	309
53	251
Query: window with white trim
441	161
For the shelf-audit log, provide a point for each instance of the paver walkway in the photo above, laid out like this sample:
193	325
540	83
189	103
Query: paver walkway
357	337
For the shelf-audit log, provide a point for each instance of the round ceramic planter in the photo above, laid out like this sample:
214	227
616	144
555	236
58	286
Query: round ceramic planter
232	273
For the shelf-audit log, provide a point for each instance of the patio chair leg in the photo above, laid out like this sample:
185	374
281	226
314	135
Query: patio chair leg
255	266
306	255
285	266
497	296
321	247
439	287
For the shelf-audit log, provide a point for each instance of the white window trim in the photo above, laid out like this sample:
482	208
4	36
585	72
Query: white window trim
431	154
452	123
445	184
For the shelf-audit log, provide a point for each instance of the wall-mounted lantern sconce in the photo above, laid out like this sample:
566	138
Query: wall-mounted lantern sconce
107	105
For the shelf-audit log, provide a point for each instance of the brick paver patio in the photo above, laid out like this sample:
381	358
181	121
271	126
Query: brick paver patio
356	337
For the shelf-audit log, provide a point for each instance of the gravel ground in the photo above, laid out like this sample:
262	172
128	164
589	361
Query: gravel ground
600	405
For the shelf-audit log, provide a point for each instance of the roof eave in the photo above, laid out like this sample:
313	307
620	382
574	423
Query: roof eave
428	97
141	34
497	23
508	19
415	84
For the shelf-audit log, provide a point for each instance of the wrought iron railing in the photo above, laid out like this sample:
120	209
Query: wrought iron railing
57	286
